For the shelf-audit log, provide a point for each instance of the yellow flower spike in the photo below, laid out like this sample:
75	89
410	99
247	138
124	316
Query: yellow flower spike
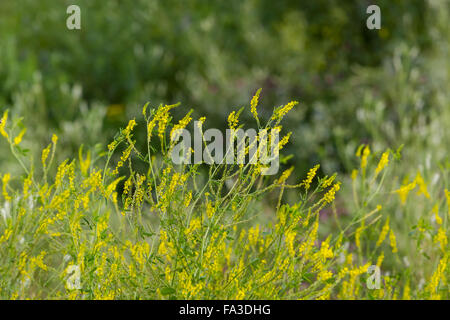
284	140
254	104
5	181
365	155
439	273
188	199
393	241
328	181
441	238
253	235
45	154
284	176
359	150
6	235
181	125
84	163
130	127
380	259
289	240
19	137
281	112
233	120
330	195
384	161
354	174
3	124
436	214
54	139
144	110
383	233
422	186
406	292
112	187
310	176
358	233
404	191
447	196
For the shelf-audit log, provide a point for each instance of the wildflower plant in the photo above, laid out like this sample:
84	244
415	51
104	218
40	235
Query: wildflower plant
130	224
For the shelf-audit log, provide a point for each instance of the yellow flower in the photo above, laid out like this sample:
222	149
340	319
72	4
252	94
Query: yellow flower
436	214
383	233
284	140
253	234
284	176
447	195
404	190
210	210
328	181
195	224
358	236
18	139
5	181
254	104
422	186
393	241
441	237
329	196
384	161
380	259
181	125
365	155
130	127
290	238
324	275
282	111
45	154
84	163
438	274
3	124
310	176
188	199
233	120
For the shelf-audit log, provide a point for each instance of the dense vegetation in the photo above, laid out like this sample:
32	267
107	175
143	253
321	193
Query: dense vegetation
88	211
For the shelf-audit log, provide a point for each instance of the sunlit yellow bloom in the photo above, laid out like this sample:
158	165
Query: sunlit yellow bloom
358	233
383	233
383	162
310	176
84	163
289	239
436	214
393	241
181	125
441	238
404	190
19	137
281	112
329	196
5	181
233	120
3	124
254	104
45	154
284	176
380	259
365	155
130	127
188	199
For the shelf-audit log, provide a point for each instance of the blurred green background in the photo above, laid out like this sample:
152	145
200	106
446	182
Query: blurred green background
385	87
